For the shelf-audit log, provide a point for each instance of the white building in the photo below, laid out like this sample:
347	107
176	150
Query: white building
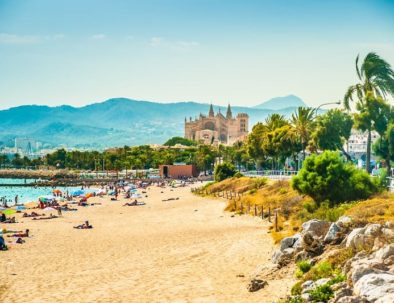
356	146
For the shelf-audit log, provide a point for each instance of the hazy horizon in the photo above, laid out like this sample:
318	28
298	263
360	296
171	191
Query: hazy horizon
208	51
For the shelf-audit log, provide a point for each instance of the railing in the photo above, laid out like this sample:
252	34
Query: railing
272	174
235	200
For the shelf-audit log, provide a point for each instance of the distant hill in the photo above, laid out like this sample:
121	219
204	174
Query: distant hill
115	122
281	103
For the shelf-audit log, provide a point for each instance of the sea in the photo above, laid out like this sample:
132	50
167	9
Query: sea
26	193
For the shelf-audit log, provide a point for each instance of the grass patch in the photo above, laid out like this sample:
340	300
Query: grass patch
375	210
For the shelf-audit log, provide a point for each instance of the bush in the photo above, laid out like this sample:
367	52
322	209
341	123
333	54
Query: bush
238	175
224	171
304	266
322	293
327	177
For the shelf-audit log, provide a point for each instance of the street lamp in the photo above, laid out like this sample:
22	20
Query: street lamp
324	104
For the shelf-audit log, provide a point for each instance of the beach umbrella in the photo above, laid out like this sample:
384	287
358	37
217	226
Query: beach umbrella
77	193
2	208
49	209
9	211
46	199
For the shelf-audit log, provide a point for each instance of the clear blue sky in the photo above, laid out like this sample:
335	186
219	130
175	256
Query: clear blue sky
244	52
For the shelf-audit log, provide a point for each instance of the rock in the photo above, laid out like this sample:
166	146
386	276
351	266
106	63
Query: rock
332	233
317	228
338	286
388	234
321	282
365	267
353	239
307	286
373	230
289	242
375	286
284	257
344	221
312	244
351	299
306	297
389	298
385	252
343	292
256	284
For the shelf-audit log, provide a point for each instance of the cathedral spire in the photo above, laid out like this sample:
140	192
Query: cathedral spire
211	112
229	114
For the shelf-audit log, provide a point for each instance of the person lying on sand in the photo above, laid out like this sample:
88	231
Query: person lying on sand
33	214
10	220
66	208
85	225
46	218
21	235
134	203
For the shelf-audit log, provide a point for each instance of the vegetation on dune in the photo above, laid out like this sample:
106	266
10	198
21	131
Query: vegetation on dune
326	177
224	171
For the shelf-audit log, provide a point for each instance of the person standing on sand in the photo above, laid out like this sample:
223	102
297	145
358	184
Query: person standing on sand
16	199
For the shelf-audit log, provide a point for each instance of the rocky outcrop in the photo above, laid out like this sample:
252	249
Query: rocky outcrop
317	228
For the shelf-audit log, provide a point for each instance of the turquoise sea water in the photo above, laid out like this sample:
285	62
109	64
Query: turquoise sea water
26	194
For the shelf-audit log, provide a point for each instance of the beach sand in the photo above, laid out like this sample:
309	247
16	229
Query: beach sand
187	250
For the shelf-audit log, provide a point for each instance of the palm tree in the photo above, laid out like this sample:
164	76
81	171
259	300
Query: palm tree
302	121
376	78
275	121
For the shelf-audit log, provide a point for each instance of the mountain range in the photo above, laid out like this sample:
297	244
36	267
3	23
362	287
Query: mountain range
118	121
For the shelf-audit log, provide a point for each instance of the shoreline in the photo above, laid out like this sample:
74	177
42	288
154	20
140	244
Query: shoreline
186	250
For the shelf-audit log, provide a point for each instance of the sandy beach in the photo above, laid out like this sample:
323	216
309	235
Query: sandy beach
186	250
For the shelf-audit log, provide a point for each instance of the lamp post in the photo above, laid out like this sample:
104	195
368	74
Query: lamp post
324	104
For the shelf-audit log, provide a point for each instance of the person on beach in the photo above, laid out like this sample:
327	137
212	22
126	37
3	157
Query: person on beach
3	246
85	225
16	199
3	218
21	235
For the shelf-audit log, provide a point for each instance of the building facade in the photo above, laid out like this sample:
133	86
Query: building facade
356	146
217	129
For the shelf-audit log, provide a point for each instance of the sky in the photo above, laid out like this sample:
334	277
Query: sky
241	52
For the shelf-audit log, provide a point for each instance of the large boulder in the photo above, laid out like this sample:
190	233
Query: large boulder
344	221
311	244
385	252
332	234
284	257
290	242
318	228
376	286
355	239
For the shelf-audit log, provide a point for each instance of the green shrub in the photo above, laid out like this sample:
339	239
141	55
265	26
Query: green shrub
296	289
327	177
321	270
224	171
322	293
238	175
304	266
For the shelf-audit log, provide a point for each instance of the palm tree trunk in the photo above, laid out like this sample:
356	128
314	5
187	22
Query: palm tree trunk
346	154
368	160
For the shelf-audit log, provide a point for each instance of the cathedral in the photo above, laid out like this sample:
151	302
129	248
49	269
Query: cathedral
217	129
